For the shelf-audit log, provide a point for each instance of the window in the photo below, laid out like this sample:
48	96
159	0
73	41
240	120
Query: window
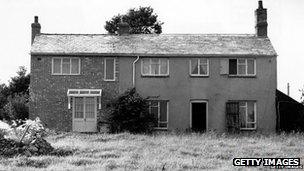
109	71
247	111
159	109
155	67
242	67
85	107
65	66
241	115
199	67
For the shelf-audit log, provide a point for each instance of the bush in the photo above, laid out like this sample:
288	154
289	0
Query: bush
17	107
130	112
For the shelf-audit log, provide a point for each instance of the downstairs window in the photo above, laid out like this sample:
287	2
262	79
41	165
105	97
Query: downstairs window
241	115
159	109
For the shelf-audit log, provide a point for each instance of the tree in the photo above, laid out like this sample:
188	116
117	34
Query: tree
20	83
3	101
14	98
141	21
302	95
130	112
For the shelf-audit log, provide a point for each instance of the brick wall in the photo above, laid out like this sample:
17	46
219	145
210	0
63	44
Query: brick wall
48	92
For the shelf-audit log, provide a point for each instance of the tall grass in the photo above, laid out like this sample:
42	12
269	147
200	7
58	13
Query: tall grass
169	151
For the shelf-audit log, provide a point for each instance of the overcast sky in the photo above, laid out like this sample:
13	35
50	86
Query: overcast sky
285	26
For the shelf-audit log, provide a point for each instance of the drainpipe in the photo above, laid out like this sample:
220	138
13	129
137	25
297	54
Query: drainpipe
134	70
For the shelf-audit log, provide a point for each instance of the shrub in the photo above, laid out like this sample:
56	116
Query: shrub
130	112
17	107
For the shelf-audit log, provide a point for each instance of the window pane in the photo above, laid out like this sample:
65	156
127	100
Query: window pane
163	111
242	104
56	66
109	69
241	69
242	117
154	112
194	66
153	105
75	66
250	66
66	66
232	66
146	66
155	66
154	69
155	61
242	61
250	112
78	107
163	66
90	107
162	125
203	69
203	61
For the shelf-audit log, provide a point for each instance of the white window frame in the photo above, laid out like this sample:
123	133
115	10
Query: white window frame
105	70
198	69
150	69
246	115
61	59
158	110
246	67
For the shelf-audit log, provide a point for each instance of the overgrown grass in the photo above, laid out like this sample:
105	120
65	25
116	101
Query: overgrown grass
160	151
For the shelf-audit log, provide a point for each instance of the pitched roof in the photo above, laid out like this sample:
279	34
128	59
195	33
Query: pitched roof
152	44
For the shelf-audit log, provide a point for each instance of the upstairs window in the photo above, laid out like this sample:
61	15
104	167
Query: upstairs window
199	67
65	66
159	109
109	69
154	67
242	67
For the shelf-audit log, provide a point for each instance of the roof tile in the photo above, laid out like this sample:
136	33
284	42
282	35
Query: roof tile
152	44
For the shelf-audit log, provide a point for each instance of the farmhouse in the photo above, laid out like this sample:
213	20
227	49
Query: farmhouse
195	81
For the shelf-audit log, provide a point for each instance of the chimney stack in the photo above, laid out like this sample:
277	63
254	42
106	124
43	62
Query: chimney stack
36	28
123	28
261	20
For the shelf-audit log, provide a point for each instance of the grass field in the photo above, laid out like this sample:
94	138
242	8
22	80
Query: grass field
160	151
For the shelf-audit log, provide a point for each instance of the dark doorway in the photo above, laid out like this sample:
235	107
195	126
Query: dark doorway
199	116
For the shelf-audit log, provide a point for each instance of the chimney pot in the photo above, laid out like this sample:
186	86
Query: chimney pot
261	20
36	19
260	4
36	28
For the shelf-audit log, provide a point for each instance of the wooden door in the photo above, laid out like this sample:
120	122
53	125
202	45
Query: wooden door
232	117
84	114
78	114
90	114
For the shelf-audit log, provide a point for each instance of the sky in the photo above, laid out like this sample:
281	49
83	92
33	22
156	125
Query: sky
285	26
